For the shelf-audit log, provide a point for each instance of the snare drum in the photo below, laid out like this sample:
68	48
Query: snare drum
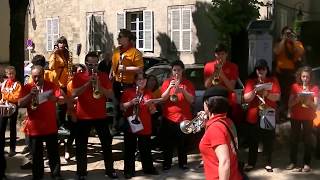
7	110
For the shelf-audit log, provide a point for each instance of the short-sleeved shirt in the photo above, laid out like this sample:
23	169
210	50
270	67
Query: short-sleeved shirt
58	65
216	134
282	60
298	112
229	69
89	108
42	120
253	108
144	113
180	110
132	57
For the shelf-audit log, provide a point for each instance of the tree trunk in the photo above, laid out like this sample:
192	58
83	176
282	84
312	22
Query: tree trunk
18	9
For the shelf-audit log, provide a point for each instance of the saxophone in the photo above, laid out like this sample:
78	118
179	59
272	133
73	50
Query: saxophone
216	74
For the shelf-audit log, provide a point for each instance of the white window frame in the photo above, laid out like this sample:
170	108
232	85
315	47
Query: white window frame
88	19
181	29
283	18
50	32
147	28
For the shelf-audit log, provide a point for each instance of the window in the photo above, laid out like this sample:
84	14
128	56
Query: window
52	32
180	28
96	40
140	23
283	18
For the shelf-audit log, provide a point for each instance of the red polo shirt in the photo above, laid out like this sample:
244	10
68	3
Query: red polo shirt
42	121
180	110
303	113
253	110
144	112
89	108
229	69
216	134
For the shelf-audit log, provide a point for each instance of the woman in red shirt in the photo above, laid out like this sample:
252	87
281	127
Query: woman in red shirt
138	101
259	100
216	146
178	94
302	110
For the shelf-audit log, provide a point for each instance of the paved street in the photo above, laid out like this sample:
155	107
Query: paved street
96	165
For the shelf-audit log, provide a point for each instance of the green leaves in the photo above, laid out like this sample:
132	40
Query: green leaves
231	16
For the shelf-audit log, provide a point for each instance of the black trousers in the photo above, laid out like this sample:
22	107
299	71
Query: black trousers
298	127
256	134
144	146
173	138
83	128
317	150
72	127
52	146
13	129
3	163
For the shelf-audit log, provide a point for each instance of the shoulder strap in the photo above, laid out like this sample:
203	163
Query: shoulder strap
231	135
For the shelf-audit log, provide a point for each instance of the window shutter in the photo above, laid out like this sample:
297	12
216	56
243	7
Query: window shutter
148	30
55	30
175	27
121	21
49	35
186	30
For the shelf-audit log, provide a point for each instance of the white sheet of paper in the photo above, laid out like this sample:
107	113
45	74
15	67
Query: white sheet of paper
43	97
264	86
306	93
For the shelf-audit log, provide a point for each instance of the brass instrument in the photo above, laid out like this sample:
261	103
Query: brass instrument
120	63
136	108
174	96
262	104
35	100
95	87
195	125
304	89
69	62
216	74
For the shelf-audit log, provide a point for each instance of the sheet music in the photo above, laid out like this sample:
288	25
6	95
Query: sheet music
43	97
264	86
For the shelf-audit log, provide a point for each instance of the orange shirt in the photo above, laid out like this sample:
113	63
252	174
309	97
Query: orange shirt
180	110
297	111
282	60
144	113
11	91
89	108
132	57
253	110
42	121
58	66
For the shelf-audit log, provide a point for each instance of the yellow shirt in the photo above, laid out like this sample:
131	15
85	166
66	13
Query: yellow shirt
282	60
132	57
58	66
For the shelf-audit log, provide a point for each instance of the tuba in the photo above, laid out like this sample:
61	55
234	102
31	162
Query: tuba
216	74
95	87
174	96
195	125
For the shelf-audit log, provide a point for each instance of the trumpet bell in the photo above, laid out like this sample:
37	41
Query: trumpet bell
174	98
96	94
186	127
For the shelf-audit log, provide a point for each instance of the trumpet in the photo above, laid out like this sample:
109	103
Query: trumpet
136	107
174	96
216	74
95	87
195	125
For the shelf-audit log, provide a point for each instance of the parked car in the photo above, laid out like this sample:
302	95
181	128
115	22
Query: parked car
151	61
194	73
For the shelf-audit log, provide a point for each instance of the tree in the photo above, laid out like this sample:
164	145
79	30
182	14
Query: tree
230	18
18	10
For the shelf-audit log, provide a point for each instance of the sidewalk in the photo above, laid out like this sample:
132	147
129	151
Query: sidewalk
96	165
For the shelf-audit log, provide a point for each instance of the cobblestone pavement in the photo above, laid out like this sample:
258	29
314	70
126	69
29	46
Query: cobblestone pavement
96	166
